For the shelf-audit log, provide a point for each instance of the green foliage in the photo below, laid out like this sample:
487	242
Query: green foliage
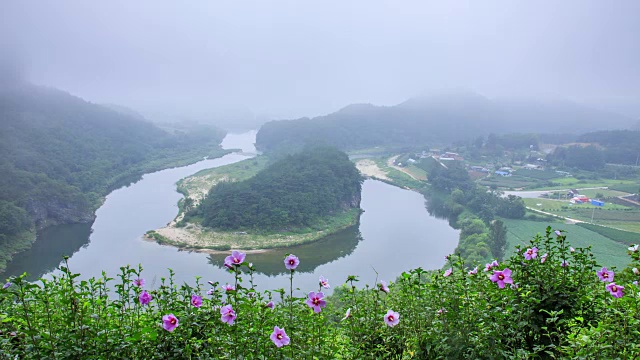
60	155
550	311
481	237
498	234
588	158
621	146
13	219
296	191
606	251
450	178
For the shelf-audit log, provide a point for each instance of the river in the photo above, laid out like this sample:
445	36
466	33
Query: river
395	233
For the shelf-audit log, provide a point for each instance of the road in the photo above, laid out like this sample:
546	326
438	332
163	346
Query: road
538	193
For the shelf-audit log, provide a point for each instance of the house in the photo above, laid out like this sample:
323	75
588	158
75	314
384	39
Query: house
503	173
479	169
579	199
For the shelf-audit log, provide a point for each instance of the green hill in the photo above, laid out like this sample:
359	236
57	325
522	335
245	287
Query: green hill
295	192
60	155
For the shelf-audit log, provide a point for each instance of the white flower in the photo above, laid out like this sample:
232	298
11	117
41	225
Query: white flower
636	271
347	315
634	248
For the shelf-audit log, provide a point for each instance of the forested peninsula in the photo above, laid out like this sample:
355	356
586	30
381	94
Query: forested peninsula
61	155
296	199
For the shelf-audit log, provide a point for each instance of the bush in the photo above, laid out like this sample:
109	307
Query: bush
545	301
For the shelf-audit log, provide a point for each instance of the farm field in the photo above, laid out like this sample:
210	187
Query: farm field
419	174
512	182
607	252
537	174
624	237
611	215
552	205
631	188
572	183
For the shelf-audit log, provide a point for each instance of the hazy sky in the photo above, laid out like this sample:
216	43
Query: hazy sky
295	58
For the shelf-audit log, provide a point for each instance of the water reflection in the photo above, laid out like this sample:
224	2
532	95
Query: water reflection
395	234
52	245
439	206
328	249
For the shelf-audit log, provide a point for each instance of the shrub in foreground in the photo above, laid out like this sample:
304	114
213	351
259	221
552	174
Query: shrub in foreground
547	300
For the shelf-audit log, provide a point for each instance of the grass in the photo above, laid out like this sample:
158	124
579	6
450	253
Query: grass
621	236
607	251
198	184
537	174
624	225
631	188
417	172
398	178
611	215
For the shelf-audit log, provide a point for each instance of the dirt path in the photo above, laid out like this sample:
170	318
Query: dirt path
391	163
628	200
533	194
568	220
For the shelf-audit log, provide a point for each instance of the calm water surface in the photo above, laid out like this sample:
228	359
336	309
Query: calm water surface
395	233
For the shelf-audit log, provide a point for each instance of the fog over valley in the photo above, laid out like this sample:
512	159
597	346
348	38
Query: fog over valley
319	180
286	59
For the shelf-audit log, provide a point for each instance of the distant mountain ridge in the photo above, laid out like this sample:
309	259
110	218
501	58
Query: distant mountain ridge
436	119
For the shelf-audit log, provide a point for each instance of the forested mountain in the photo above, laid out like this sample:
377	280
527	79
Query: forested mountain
59	155
295	191
436	120
620	146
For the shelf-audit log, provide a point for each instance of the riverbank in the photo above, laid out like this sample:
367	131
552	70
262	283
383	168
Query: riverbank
193	236
16	244
380	169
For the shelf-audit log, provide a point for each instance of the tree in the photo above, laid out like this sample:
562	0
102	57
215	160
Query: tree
187	204
296	191
498	234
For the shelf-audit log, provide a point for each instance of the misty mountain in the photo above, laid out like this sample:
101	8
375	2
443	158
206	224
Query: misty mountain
437	119
124	110
619	146
59	155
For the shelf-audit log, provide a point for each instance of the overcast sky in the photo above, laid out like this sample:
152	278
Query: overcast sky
286	59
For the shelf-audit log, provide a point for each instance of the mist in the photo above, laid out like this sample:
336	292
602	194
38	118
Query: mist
288	59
